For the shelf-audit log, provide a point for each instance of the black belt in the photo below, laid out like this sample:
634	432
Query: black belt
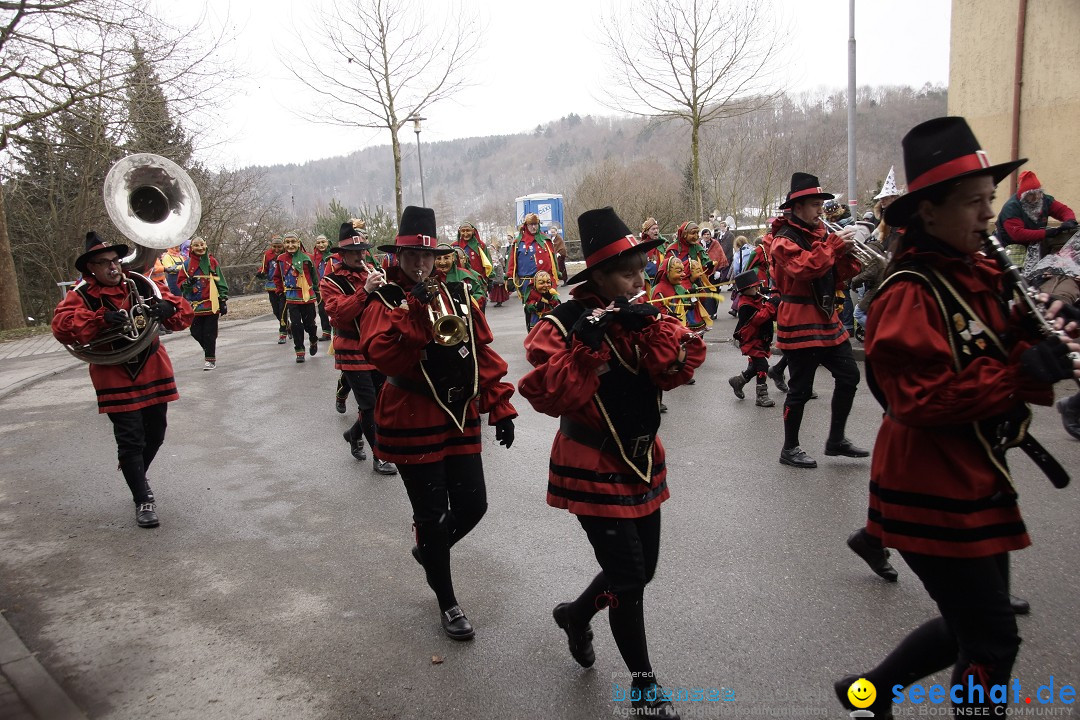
797	299
452	394
348	334
583	434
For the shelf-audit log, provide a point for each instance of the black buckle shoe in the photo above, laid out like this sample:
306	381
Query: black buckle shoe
339	405
875	556
313	348
845	448
383	467
579	638
356	446
654	703
456	625
146	515
1020	606
795	457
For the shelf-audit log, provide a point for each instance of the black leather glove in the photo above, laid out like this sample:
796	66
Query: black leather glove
634	316
504	432
1048	361
588	332
161	309
1068	225
774	299
223	308
260	275
420	292
1052	231
115	317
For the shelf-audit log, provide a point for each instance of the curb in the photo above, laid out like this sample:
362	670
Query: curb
31	682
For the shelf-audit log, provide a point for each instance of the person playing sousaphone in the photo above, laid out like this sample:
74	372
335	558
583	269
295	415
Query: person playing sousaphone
134	394
430	340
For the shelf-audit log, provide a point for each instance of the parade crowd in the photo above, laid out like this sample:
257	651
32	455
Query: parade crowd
916	281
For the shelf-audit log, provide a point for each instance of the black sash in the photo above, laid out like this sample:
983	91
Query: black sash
627	399
450	371
822	289
970	338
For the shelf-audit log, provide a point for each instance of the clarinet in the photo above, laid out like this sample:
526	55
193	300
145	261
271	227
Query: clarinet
1036	310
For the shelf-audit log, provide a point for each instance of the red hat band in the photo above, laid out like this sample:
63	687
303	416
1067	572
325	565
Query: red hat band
420	242
807	191
945	171
612	249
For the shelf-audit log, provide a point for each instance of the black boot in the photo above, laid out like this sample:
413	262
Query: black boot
763	399
873	554
356	444
737	384
777	375
135	476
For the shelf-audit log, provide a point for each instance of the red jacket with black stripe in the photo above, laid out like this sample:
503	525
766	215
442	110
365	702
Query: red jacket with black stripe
344	298
411	428
565	377
934	487
120	388
799	322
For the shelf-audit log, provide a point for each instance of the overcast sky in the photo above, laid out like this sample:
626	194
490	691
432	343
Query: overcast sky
513	91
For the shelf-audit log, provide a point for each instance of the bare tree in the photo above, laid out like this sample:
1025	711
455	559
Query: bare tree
61	56
691	61
381	62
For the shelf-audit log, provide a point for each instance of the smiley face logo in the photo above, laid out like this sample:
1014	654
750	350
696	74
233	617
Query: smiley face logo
862	693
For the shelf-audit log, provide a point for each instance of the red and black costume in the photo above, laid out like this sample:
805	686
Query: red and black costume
754	331
428	413
954	368
345	298
809	266
134	394
607	462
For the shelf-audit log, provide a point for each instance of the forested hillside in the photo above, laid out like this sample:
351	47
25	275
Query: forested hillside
746	162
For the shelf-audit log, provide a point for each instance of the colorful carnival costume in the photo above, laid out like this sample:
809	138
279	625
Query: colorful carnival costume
204	286
296	279
268	271
542	299
530	252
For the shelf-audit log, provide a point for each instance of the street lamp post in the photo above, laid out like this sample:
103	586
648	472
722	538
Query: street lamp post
416	129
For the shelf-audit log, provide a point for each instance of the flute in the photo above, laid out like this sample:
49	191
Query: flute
596	318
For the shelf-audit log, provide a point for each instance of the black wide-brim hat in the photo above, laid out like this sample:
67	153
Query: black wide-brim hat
939	151
604	237
349	238
95	246
805	186
417	231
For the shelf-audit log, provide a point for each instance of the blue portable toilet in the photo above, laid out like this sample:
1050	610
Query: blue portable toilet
547	206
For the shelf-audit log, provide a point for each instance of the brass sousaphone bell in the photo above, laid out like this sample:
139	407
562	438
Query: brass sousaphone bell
155	205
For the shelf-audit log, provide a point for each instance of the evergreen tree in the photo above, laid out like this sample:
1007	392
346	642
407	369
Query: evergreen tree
152	127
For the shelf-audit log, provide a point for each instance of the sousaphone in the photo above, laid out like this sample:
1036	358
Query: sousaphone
155	205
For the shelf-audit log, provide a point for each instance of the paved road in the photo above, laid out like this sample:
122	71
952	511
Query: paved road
280	583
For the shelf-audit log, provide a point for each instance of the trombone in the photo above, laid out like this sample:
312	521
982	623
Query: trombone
862	251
